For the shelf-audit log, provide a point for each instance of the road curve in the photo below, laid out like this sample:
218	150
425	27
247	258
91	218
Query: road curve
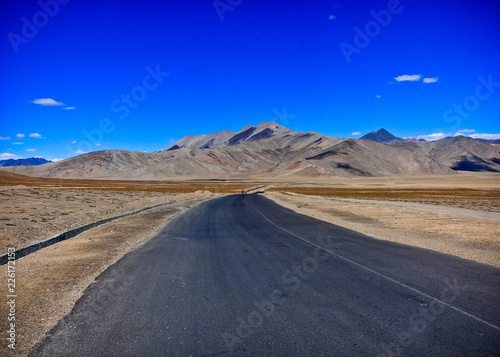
240	275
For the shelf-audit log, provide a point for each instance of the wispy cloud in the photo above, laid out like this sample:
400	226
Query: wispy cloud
408	77
35	135
69	108
430	79
30	150
356	133
80	152
7	156
98	144
485	136
55	159
48	102
461	132
5	138
17	143
431	137
73	142
20	135
378	96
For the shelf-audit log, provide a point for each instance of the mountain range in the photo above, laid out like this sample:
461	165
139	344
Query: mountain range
31	161
272	150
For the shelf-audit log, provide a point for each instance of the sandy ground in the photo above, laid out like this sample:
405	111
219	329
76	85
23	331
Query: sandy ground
470	234
50	281
32	214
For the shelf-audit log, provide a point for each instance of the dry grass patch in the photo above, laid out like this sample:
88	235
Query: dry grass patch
187	186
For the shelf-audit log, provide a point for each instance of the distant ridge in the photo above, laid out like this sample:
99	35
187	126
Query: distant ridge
381	136
32	161
271	150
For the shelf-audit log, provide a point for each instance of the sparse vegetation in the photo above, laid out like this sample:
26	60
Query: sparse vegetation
107	186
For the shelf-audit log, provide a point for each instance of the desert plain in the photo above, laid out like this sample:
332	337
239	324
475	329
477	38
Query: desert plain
453	214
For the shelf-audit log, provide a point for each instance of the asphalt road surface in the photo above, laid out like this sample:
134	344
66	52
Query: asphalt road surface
241	275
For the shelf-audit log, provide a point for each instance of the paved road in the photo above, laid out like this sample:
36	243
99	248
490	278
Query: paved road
240	275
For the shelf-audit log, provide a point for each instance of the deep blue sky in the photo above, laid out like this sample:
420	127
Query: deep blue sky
262	57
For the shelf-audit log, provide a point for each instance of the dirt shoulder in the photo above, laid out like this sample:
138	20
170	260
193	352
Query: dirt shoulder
51	280
466	233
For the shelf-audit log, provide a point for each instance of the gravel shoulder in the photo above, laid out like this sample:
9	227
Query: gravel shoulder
470	234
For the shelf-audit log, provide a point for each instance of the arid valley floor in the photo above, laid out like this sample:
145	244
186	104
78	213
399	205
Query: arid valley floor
454	214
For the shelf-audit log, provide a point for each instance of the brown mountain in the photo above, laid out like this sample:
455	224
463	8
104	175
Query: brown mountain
270	149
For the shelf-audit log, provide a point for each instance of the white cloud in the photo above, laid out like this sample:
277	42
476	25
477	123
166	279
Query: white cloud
69	108
466	131
430	79
35	135
20	135
98	144
431	137
73	142
55	159
415	78
378	96
49	102
408	77
7	155
356	133
17	143
80	152
30	150
5	138
485	136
